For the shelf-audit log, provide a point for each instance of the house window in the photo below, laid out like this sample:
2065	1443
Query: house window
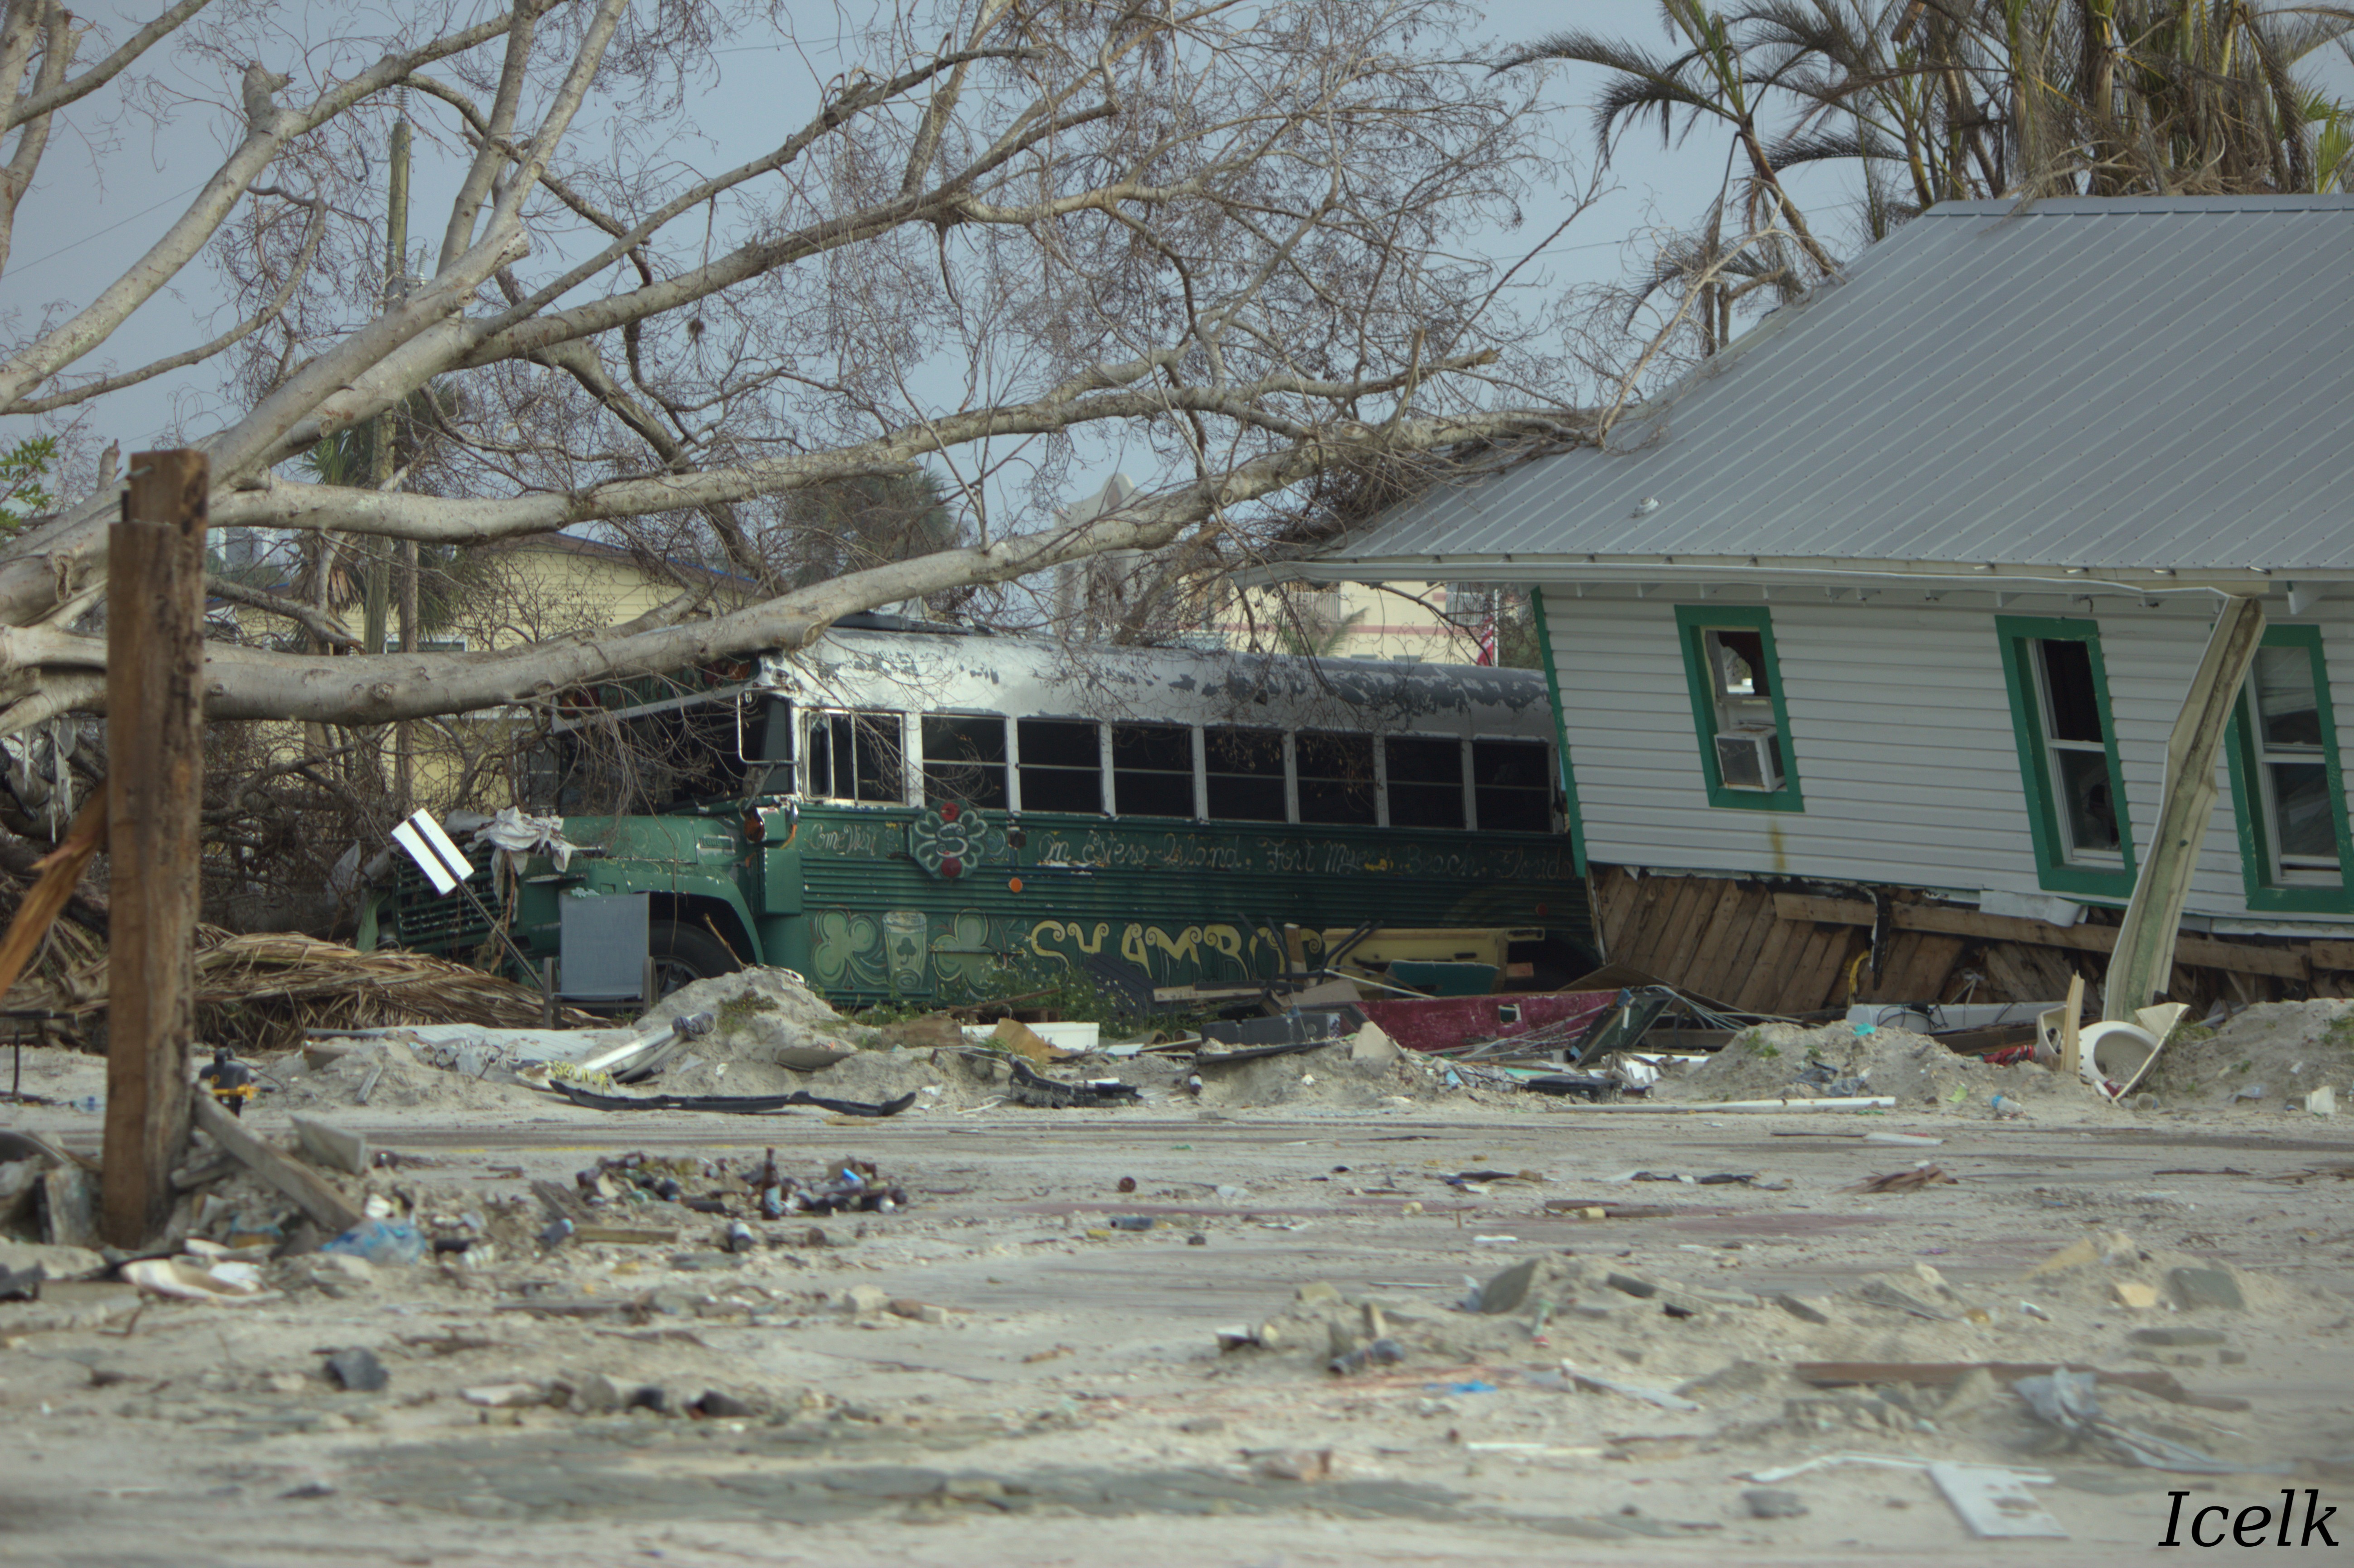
964	760
1153	769
2068	755
2285	783
1245	774
857	756
1062	765
1514	792
1737	707
1426	775
1336	780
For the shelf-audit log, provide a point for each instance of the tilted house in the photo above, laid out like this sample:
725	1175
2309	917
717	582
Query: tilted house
1903	592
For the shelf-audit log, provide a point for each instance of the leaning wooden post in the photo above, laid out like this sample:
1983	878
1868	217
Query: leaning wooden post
2143	959
154	784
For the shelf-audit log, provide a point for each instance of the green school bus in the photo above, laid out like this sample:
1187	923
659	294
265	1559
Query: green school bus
922	814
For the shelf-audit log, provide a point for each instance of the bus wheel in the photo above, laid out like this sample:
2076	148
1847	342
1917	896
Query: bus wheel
685	954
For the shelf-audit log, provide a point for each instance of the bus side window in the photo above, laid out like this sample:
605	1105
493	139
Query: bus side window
1153	769
856	756
964	761
1426	781
1514	786
1336	778
1245	774
1062	765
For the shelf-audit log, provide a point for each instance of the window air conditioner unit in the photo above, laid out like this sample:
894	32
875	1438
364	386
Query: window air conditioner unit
1745	760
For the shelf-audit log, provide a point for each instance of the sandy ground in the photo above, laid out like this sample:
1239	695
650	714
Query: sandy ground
1070	1403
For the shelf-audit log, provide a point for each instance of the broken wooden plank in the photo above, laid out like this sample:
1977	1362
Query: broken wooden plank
2285	963
314	1196
627	1236
1944	1374
2331	955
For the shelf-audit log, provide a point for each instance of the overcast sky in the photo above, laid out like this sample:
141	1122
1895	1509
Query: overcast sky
97	206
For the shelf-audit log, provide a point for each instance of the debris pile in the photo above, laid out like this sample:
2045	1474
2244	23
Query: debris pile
1843	1059
1907	1353
266	991
2274	1056
756	1189
1341	1076
764	1015
390	1073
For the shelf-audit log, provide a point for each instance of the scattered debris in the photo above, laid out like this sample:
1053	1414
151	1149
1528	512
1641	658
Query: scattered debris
357	1370
22	1284
333	1147
1993	1501
1031	1089
1911	1181
2067	1402
1764	1502
734	1105
379	1242
231	1082
196	1279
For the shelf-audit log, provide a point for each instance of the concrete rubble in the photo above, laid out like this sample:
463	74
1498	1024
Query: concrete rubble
1298	1291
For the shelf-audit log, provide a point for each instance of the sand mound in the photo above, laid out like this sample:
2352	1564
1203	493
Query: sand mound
870	1077
757	1012
2289	1048
393	1077
1326	1077
1786	1060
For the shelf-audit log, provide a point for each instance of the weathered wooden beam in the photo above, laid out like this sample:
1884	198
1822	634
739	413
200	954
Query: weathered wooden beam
2148	935
154	789
310	1191
2286	963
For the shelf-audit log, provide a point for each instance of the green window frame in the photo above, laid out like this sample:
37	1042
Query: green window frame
1713	703
2270	886
2058	869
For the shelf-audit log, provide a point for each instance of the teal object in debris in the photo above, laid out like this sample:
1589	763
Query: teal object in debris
1444	978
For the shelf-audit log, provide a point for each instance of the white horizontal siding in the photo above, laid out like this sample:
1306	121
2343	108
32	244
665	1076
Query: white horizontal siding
1901	732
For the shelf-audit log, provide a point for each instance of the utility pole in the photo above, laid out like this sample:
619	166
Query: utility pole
154	789
395	263
396	289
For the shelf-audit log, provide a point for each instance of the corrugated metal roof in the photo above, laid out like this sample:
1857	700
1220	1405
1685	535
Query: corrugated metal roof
2111	385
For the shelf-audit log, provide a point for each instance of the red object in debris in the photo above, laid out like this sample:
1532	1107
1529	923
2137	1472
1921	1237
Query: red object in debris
1437	1022
2010	1055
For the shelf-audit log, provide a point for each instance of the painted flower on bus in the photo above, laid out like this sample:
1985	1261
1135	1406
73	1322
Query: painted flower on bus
950	839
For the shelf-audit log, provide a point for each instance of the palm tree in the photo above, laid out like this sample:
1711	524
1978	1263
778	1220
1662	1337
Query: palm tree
1991	97
1948	99
1713	78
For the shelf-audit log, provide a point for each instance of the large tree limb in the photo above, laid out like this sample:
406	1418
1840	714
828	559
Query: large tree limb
312	234
268	130
250	684
56	53
333	633
256	438
438	520
20	30
50	101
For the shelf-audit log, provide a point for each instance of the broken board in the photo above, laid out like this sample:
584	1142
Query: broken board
1993	1501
